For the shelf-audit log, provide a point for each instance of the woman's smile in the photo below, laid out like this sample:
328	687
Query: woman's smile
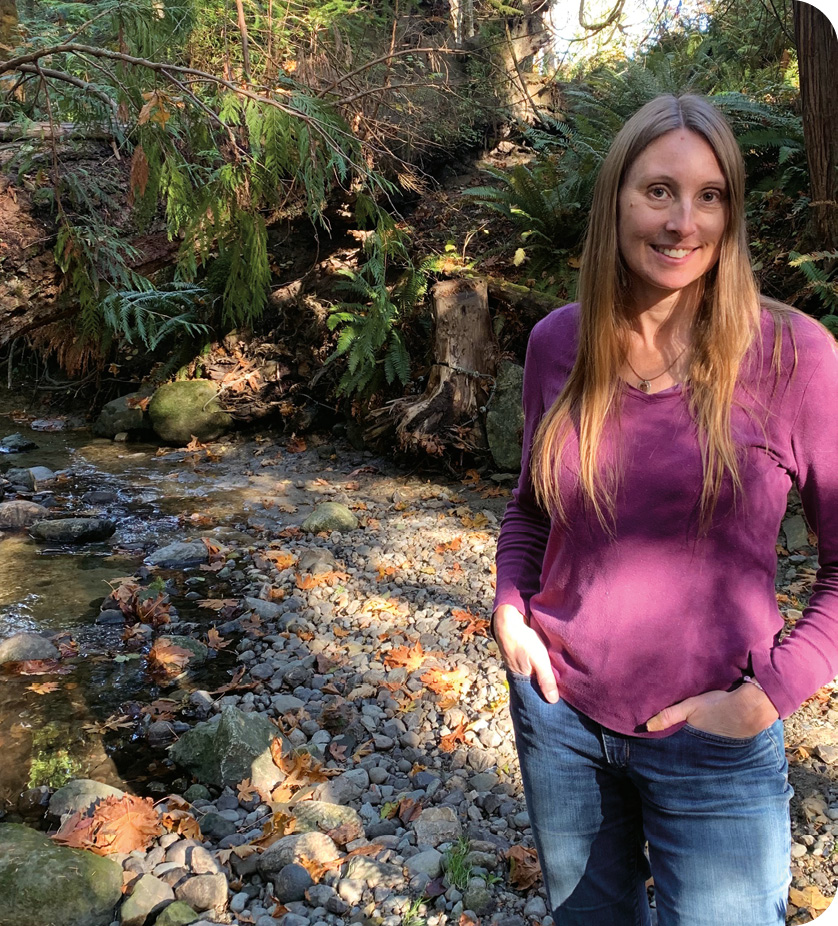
672	216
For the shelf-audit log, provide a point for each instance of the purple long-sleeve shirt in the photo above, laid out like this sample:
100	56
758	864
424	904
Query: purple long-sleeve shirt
659	610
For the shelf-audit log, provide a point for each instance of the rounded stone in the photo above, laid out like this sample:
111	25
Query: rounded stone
291	883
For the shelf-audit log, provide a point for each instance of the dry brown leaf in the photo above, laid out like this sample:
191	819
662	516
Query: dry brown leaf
215	553
182	822
346	832
295	445
280	559
195	444
451	545
380	606
450	685
215	640
448	743
410	658
124	824
524	869
42	688
168	659
37	667
475	626
408	810
810	897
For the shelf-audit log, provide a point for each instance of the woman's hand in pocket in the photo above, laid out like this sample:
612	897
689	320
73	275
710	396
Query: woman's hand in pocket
738	714
523	650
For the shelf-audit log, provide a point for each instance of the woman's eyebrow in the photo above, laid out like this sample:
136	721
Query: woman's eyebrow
665	178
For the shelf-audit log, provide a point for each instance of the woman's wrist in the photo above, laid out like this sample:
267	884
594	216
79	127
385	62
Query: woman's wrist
503	616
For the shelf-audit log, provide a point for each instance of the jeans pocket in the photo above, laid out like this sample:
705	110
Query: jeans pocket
517	676
709	737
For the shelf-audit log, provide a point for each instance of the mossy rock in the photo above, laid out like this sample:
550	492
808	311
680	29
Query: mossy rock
186	409
44	884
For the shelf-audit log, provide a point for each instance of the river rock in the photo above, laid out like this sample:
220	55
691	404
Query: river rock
79	794
186	409
796	533
16	443
505	417
320	816
17	514
330	516
291	883
42	882
33	477
118	416
177	914
150	895
295	848
73	530
232	749
26	646
203	892
179	555
436	825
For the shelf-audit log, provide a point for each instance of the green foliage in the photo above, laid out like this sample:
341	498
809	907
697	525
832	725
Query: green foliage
368	324
151	317
455	863
821	282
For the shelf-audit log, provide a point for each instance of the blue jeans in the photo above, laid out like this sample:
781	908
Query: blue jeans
714	810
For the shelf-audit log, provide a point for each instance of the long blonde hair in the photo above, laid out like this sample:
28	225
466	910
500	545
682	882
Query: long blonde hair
724	327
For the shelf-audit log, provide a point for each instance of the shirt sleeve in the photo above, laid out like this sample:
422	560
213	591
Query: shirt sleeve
793	670
526	527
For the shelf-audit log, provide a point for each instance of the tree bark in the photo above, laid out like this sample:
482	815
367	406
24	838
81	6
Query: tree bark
449	413
817	52
9	34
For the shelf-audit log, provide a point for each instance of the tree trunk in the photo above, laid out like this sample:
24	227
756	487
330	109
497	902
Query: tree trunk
449	412
817	52
9	35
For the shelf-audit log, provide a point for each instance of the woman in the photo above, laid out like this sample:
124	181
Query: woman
667	416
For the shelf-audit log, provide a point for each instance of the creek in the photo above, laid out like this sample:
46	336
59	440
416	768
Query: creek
154	497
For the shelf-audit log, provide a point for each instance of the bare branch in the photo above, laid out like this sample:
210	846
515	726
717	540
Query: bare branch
92	89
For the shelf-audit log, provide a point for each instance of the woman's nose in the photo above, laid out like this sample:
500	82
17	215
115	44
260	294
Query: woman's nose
681	219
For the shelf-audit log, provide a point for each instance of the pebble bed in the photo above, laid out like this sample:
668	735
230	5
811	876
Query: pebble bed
429	781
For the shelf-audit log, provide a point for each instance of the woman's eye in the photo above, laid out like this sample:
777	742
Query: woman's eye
658	192
711	196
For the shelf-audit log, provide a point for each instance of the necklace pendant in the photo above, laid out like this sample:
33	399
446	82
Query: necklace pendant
644	385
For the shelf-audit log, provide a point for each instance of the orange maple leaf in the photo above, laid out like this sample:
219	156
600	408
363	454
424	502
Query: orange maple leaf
448	743
280	559
42	688
215	640
115	824
168	659
411	658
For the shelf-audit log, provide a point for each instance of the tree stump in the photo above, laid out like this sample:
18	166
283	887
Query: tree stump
448	414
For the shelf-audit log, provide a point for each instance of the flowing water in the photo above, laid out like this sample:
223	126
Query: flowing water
49	736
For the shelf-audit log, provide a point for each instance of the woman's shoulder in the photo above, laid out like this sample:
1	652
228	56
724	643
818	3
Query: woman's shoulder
557	333
804	342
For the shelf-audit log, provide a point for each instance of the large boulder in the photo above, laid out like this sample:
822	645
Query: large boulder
229	750
17	514
24	645
186	409
119	415
330	516
73	530
33	478
505	417
43	883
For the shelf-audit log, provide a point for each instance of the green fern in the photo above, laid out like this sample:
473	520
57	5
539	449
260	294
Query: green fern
821	282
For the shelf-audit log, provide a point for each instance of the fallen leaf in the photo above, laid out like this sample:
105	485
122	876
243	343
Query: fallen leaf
124	824
217	604
37	667
42	688
295	445
183	823
246	791
451	545
448	743
524	869
410	658
168	659
450	685
346	832
809	897
280	559
215	640
475	626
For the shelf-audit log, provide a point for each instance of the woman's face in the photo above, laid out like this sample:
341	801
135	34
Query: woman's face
672	214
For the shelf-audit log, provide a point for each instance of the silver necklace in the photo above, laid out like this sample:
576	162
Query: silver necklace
645	385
